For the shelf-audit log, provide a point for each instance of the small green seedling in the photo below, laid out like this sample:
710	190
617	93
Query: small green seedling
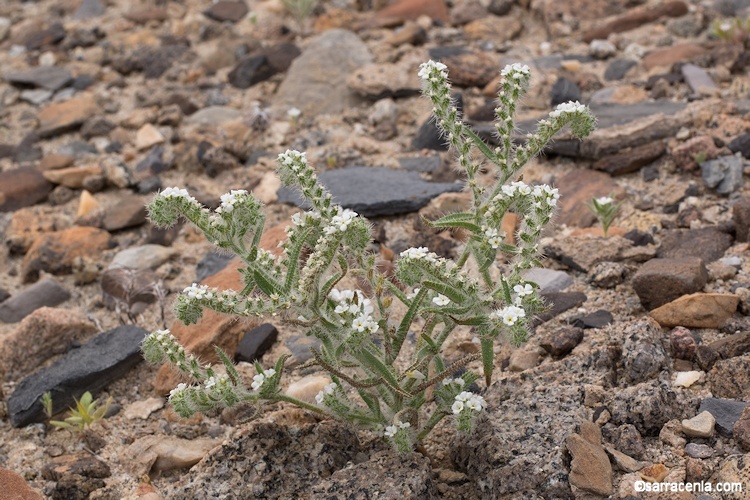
605	210
86	412
47	404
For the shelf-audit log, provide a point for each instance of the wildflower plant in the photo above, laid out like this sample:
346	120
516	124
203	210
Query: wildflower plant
86	412
376	382
605	209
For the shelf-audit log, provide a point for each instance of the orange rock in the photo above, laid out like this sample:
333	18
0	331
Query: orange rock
72	177
55	252
410	10
698	310
54	161
214	328
15	487
598	232
86	203
28	224
654	474
60	117
683	52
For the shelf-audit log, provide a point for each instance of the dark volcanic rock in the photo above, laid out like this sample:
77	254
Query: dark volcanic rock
708	243
561	341
596	319
558	303
741	217
372	191
46	293
565	90
210	264
104	359
46	37
660	281
740	144
631	160
256	342
725	411
617	69
262	65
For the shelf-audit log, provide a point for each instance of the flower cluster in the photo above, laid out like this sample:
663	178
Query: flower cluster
326	393
510	315
392	430
547	195
341	222
568	108
419	253
198	292
428	70
293	159
229	200
173	192
494	237
300	219
354	304
468	401
516	70
261	378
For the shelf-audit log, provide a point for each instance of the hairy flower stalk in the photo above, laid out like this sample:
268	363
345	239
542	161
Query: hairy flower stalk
376	382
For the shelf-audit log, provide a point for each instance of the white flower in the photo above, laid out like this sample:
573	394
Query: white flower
441	300
458	406
198	292
415	253
341	221
327	390
604	200
516	68
258	381
228	200
391	431
173	192
413	293
210	382
458	381
511	314
570	107
177	390
415	374
523	290
426	69
293	113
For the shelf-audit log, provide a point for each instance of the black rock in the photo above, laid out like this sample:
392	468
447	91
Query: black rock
596	319
708	243
149	185
211	264
639	238
50	36
618	68
104	359
500	7
45	293
558	303
256	343
372	191
96	126
725	411
262	65
565	90
437	53
740	144
429	136
561	341
153	162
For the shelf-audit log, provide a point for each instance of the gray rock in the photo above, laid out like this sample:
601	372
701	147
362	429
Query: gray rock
385	475
596	319
316	80
650	405
36	97
429	164
607	274
210	264
558	303
372	191
707	243
47	77
273	459
256	342
643	356
725	411
89	9
549	280
724	174
300	346
696	450
104	359
262	65
45	293
213	115
142	257
698	79
227	10
617	69
660	281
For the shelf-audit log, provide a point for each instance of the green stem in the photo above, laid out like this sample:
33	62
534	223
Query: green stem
298	402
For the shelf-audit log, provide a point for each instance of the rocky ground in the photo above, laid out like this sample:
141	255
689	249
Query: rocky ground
640	370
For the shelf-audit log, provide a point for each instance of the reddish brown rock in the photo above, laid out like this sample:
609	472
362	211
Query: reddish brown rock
683	344
687	154
56	252
636	18
577	187
496	29
14	487
62	117
741	216
54	161
146	14
699	310
216	329
741	431
43	334
27	224
660	281
630	160
409	10
668	56
590	469
226	10
22	187
472	69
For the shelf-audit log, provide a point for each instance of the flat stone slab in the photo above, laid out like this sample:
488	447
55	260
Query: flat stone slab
104	359
372	191
46	293
48	77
